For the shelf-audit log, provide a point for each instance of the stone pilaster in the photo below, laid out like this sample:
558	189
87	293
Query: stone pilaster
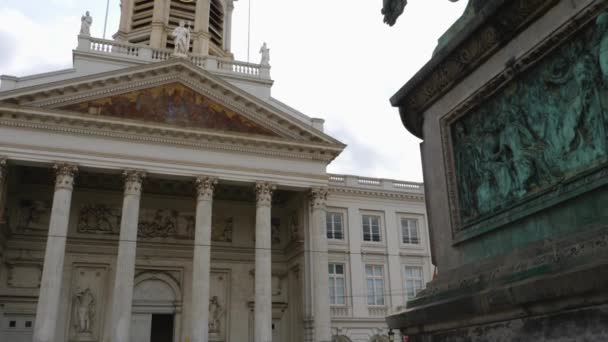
47	310
200	36
228	25
263	264
322	319
3	187
201	264
125	262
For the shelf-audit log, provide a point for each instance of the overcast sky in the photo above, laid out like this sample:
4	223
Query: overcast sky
332	59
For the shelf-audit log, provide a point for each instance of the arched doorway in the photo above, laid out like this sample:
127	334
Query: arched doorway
156	308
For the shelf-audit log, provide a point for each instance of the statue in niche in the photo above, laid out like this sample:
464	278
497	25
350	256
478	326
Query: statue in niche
86	21
181	38
275	230
215	315
84	311
265	52
222	232
547	125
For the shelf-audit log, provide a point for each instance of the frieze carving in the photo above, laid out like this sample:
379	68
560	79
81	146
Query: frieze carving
34	214
165	223
544	128
263	192
99	219
221	229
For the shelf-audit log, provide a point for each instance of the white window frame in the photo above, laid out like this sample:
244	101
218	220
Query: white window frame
340	213
414	281
376	275
380	225
335	276
408	235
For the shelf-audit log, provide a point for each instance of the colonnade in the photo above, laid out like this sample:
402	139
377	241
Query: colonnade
50	289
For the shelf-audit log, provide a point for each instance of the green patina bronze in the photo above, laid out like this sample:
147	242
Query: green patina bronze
544	128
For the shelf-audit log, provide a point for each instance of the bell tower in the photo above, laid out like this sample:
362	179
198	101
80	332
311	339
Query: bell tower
151	22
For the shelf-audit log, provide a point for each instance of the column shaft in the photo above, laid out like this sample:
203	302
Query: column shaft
228	26
125	262
263	264
47	310
3	189
322	319
200	44
201	264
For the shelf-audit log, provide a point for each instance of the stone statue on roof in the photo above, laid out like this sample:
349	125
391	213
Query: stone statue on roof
181	36
85	24
265	52
392	9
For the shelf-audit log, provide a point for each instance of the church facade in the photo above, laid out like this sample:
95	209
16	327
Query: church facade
156	191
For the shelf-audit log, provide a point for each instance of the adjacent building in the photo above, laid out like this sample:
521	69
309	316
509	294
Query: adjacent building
154	196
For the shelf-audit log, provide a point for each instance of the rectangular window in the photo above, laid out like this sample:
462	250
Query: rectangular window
375	284
335	226
371	228
337	285
414	281
409	231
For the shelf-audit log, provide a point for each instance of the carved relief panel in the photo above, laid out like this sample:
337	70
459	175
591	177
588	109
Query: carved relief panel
87	302
544	128
33	214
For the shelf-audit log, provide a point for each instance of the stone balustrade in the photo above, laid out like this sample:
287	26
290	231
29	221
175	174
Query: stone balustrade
145	53
375	183
339	311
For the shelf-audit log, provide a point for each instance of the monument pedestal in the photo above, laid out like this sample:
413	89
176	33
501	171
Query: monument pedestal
513	111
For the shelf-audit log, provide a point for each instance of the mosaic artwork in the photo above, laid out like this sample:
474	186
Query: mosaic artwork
172	104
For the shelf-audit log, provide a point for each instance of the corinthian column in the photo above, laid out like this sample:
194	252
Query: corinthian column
322	323
125	262
201	264
263	264
47	310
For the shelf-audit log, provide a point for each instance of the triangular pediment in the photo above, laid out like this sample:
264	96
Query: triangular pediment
175	93
173	104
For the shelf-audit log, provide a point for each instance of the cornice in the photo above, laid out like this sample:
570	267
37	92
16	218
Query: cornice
394	195
105	127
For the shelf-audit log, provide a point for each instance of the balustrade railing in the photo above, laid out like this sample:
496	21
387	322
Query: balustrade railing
146	53
375	183
339	311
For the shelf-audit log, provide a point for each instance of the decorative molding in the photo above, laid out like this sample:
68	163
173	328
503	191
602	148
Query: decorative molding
133	182
263	193
318	198
64	174
88	125
375	193
204	187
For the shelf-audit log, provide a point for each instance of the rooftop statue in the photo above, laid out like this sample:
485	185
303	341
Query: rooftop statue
85	24
265	51
181	36
392	9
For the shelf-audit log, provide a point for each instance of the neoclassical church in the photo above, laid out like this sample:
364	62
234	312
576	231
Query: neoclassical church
157	192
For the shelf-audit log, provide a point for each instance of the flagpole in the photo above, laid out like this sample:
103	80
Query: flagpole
249	31
105	25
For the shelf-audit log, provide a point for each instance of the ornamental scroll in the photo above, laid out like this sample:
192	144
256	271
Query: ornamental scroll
546	126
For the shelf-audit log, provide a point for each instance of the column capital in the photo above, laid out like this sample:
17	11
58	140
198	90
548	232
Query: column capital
318	198
133	181
204	187
64	175
263	193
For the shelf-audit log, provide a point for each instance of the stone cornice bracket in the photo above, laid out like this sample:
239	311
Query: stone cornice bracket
263	193
64	175
204	187
133	181
318	198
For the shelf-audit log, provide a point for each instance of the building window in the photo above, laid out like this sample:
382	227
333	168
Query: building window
371	228
337	285
409	231
375	284
335	226
414	281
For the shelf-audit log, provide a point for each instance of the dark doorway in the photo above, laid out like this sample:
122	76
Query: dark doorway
162	328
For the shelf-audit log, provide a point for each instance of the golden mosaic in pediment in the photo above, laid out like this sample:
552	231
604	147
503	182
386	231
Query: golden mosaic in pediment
173	104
